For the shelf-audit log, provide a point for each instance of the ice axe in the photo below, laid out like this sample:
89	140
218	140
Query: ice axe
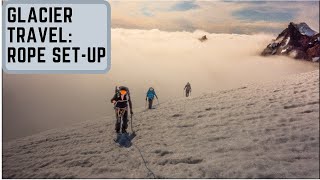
133	133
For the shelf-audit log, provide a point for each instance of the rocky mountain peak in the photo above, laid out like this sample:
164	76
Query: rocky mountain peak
298	41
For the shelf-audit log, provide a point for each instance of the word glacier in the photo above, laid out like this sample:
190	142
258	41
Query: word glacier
42	15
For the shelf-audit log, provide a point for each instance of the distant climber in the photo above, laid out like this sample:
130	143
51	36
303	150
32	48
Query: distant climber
150	96
203	38
121	101
187	88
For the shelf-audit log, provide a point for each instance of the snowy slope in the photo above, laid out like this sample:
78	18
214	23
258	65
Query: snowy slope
266	130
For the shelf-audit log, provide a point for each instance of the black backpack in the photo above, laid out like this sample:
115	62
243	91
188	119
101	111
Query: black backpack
117	91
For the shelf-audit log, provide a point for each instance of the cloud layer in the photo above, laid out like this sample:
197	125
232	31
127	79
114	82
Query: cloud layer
140	59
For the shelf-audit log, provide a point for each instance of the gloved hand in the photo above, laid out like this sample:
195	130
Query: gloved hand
131	112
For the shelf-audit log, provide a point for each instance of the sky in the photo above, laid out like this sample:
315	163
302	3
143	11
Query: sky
239	17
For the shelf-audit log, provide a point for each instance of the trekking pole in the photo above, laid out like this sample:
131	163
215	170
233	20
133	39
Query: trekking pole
131	124
145	104
158	101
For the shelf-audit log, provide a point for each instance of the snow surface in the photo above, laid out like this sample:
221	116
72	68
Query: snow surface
283	50
304	29
287	41
268	130
315	59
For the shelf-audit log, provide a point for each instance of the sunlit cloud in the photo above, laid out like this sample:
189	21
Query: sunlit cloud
214	16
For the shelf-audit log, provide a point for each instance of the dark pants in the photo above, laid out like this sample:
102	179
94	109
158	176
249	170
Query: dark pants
150	103
123	118
187	93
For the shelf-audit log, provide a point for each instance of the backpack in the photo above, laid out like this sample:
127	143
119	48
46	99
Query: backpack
188	87
117	91
150	94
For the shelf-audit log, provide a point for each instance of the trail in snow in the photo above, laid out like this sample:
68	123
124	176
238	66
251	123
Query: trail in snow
254	131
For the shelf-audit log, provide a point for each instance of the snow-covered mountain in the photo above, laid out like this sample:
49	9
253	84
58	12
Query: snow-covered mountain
298	41
255	131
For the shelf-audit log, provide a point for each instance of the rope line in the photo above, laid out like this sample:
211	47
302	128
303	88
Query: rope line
150	172
145	163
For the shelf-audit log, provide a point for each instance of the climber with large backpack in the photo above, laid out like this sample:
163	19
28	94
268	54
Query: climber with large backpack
150	96
122	103
187	88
